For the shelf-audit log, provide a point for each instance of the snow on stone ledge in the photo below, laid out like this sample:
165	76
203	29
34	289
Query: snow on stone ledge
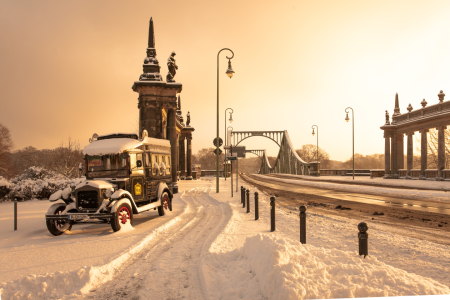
119	145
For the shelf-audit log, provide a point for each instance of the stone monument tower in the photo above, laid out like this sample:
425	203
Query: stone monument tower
157	102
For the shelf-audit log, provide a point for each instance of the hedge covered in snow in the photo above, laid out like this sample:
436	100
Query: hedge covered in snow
35	183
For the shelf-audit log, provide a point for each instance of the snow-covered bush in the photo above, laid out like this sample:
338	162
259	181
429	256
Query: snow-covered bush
37	183
4	187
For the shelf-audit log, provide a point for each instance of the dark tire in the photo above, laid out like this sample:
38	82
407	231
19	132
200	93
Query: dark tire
165	204
57	227
122	216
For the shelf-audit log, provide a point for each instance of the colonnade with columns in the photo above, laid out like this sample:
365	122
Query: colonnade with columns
185	153
394	153
436	116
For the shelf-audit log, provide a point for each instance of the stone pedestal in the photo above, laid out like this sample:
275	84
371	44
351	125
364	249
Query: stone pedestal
314	168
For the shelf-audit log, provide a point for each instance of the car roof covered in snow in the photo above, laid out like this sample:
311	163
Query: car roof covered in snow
120	145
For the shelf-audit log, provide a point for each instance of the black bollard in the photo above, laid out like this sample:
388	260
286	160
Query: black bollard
243	197
248	201
242	194
272	214
303	224
15	213
256	206
363	239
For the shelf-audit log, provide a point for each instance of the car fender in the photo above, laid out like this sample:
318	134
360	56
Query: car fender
162	186
70	206
119	202
121	194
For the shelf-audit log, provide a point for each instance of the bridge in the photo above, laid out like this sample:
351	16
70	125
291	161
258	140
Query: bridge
287	161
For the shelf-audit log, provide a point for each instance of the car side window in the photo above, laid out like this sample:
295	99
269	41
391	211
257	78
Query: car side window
155	165
168	164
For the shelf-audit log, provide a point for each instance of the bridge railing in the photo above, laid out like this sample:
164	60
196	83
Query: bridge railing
287	162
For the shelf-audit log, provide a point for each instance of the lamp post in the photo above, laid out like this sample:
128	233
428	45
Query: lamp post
226	136
230	74
231	162
317	149
353	136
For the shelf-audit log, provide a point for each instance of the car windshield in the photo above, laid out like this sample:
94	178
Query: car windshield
113	165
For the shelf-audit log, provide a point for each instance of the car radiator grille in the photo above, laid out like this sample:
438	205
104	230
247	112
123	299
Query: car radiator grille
88	199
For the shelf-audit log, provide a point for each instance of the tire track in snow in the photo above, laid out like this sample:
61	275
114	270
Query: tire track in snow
171	267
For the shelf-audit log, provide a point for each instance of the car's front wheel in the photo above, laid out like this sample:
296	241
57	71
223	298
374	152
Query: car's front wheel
123	216
57	227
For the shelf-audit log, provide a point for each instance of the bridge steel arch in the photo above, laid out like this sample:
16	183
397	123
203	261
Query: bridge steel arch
287	162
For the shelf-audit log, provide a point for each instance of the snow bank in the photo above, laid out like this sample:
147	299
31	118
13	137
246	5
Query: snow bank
279	268
61	284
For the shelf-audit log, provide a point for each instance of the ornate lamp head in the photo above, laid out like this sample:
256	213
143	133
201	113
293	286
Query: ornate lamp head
230	69
347	118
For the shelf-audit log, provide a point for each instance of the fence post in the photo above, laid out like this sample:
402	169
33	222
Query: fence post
363	239
303	224
15	213
272	214
256	206
248	201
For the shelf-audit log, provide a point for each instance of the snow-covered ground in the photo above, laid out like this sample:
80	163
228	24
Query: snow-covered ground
210	248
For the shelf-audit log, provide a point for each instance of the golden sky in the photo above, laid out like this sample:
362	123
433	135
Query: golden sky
67	67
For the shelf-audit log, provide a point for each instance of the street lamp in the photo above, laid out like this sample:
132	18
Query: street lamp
226	142
317	149
353	136
230	120
230	73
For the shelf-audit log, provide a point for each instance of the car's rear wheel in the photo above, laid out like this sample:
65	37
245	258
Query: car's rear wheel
57	227
123	216
166	204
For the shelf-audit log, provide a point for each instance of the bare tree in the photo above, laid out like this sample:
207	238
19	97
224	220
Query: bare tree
66	158
309	153
208	159
6	146
432	150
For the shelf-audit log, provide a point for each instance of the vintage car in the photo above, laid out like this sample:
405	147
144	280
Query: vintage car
125	175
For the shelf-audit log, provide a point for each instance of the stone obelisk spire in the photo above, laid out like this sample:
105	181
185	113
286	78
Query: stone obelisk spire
151	66
397	107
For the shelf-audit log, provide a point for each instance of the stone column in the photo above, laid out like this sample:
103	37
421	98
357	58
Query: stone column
400	152
172	136
409	155
394	166
189	158
182	158
441	152
423	153
387	156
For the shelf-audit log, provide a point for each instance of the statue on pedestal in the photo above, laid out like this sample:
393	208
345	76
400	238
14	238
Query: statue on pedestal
387	118
172	65
188	119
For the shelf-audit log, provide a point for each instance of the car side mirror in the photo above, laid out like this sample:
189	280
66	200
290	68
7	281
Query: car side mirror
139	163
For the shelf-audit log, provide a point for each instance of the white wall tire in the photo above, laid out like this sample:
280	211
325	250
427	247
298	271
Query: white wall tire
165	204
123	216
57	227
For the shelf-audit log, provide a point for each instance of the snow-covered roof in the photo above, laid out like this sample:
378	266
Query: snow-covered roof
120	145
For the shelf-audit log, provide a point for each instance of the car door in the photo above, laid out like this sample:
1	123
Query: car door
137	177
